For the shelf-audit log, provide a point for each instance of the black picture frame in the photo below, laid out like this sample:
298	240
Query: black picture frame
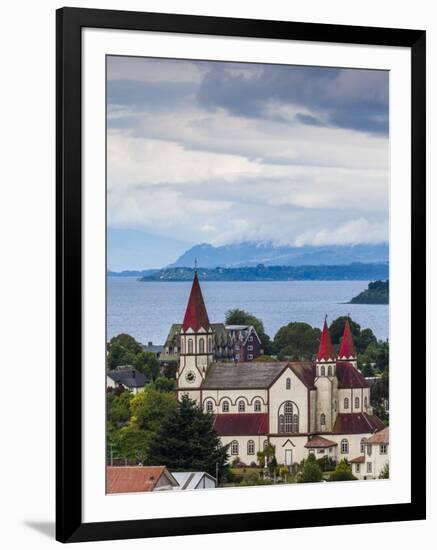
69	23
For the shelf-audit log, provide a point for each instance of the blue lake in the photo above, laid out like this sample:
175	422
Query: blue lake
146	310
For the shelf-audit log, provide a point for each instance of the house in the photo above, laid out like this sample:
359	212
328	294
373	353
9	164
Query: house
138	479
245	342
320	406
151	348
126	377
376	454
194	480
239	343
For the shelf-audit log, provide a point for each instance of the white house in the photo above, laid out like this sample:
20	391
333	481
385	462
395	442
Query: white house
127	378
300	407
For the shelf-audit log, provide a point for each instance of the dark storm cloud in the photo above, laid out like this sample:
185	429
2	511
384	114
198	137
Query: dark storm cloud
136	94
347	98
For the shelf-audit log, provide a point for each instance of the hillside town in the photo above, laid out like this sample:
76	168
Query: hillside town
267	420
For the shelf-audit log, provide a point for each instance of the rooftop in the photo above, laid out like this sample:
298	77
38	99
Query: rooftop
319	442
380	437
357	423
241	424
136	479
242	375
128	376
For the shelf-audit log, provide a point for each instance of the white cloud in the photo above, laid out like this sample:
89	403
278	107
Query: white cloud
207	175
352	232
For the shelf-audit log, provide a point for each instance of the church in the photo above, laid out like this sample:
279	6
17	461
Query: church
320	407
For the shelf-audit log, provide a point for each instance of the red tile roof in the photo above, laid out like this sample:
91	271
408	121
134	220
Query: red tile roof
347	348
357	423
358	459
350	377
196	315
380	437
133	479
326	351
319	442
241	424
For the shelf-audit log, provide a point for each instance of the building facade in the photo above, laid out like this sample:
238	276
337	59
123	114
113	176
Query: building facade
320	407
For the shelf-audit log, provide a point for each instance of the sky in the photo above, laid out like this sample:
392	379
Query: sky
222	153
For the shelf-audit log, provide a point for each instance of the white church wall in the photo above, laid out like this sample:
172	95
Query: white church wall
234	396
285	444
323	403
243	454
278	394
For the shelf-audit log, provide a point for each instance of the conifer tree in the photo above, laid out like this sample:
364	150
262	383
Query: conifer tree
187	441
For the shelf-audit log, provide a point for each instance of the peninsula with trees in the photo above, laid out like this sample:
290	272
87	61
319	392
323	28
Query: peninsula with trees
375	293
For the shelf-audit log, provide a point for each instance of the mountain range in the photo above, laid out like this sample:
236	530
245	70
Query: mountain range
248	254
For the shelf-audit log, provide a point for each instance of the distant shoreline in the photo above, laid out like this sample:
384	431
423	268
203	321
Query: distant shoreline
262	273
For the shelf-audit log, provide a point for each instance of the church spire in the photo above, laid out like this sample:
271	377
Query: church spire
326	352
347	348
196	316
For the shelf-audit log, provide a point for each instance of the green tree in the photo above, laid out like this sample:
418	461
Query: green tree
365	338
336	329
342	472
122	350
162	383
385	472
187	440
151	407
148	364
254	479
311	472
240	317
118	407
297	340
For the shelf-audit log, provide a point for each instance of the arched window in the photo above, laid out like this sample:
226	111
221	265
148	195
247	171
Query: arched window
288	418
257	406
190	345
330	370
251	447
234	447
322	371
322	419
183	345
209	406
346	403
287	384
365	402
344	446
241	406
362	445
201	345
225	406
335	406
357	402
265	444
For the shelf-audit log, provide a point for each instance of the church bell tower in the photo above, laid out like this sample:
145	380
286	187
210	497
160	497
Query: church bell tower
196	335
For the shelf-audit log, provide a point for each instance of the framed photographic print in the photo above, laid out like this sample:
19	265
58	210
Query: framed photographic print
235	198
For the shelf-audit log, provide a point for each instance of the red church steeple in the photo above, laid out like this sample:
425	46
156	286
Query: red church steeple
347	348
196	316
326	352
